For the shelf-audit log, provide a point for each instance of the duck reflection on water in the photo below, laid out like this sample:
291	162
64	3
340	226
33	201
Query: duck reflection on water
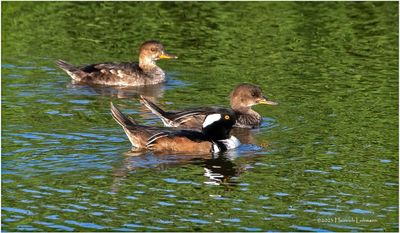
219	169
153	92
222	170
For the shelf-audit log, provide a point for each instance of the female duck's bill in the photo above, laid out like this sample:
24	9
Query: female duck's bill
144	72
242	98
214	136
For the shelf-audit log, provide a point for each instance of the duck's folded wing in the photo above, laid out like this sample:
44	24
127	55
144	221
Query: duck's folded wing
195	111
109	67
182	115
192	118
179	141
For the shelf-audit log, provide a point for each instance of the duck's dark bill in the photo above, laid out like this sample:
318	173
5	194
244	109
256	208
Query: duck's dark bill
167	56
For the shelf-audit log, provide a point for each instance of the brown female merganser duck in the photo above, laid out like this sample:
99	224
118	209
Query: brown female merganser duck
242	98
146	72
213	137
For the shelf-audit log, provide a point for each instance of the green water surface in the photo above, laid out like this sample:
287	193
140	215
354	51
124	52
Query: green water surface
325	158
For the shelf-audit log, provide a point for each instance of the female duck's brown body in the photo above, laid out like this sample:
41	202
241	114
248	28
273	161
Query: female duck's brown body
241	99
145	72
213	137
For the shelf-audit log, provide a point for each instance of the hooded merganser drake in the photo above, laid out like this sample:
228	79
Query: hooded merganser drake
213	137
146	72
241	99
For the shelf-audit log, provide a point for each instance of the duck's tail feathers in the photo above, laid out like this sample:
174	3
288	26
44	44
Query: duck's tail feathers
129	126
121	118
66	66
156	110
75	73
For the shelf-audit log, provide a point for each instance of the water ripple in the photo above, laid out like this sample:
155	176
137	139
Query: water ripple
85	224
316	171
175	181
360	211
305	228
163	203
281	194
283	215
55	226
55	189
195	220
16	210
313	203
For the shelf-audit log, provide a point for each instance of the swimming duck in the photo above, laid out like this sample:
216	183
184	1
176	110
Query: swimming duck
213	137
242	98
146	72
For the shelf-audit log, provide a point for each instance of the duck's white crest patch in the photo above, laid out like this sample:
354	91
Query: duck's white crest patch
211	119
231	142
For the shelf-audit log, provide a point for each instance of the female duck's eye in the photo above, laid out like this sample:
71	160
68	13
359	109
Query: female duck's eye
153	49
253	94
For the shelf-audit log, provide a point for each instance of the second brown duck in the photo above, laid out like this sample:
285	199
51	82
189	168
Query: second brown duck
242	98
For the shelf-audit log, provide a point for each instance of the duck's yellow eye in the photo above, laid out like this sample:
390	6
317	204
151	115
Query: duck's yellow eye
226	117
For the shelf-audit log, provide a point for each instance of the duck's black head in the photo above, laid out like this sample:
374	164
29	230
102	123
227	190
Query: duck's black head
218	125
246	95
153	50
